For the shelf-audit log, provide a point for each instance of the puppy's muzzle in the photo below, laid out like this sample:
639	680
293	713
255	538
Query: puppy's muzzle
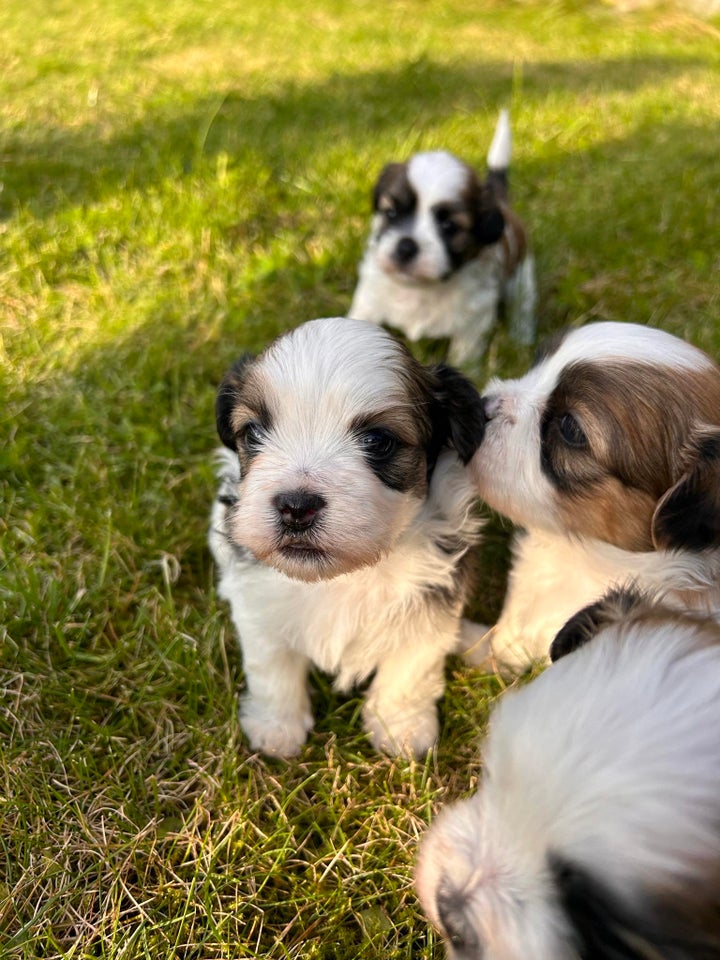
298	510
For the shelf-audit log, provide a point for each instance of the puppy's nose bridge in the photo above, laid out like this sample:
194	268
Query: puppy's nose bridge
298	509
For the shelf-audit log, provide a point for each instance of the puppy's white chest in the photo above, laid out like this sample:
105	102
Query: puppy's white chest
340	624
467	299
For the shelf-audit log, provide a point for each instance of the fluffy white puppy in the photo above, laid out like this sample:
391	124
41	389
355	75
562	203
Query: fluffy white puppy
595	834
607	453
445	250
341	527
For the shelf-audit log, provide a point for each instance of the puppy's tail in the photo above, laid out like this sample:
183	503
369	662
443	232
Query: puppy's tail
499	154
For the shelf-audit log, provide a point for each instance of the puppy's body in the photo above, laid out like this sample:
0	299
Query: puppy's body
607	453
595	832
370	574
445	250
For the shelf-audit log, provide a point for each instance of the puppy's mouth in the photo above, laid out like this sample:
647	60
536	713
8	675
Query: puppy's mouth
406	273
301	550
301	558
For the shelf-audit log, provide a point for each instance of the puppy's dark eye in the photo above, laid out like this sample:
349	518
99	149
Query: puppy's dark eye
390	213
252	436
378	444
448	228
571	431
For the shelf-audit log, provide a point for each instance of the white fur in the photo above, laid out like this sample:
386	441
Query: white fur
463	307
429	300
554	571
373	610
610	760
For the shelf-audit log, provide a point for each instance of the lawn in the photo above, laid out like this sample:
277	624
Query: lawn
180	182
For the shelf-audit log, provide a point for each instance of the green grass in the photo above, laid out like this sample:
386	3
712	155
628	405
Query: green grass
180	182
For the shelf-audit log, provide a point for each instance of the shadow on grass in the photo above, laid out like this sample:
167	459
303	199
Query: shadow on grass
49	169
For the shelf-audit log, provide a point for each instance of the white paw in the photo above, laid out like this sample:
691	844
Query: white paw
278	736
400	733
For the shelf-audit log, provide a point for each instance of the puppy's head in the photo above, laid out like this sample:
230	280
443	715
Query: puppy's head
431	216
489	898
614	434
337	429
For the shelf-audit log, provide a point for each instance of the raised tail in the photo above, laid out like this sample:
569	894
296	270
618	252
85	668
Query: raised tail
499	155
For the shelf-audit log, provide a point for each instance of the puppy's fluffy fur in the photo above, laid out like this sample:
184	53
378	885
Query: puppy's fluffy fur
341	527
596	830
445	249
607	453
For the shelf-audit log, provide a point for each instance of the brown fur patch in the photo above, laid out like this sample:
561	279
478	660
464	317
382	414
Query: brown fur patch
639	421
514	240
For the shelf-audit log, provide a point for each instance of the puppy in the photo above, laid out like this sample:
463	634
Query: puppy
341	528
596	829
445	249
607	453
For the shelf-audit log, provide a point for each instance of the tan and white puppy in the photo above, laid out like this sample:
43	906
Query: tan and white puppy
607	454
341	527
445	250
595	833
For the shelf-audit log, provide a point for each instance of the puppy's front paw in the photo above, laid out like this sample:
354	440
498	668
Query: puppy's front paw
278	736
401	733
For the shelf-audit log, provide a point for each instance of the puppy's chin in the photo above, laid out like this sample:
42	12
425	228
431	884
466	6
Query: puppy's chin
414	279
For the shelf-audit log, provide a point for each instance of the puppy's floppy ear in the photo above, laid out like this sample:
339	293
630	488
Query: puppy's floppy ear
458	415
688	515
488	219
227	398
586	623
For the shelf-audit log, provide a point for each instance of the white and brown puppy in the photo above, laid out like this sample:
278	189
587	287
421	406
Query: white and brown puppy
341	527
607	453
445	250
595	834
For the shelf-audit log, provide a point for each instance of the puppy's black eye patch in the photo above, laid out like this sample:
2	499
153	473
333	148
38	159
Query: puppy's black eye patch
451	220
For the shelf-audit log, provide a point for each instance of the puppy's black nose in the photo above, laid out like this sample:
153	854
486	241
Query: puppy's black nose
405	250
298	509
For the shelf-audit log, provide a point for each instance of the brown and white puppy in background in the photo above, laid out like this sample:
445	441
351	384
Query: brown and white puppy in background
595	833
607	454
341	528
445	250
